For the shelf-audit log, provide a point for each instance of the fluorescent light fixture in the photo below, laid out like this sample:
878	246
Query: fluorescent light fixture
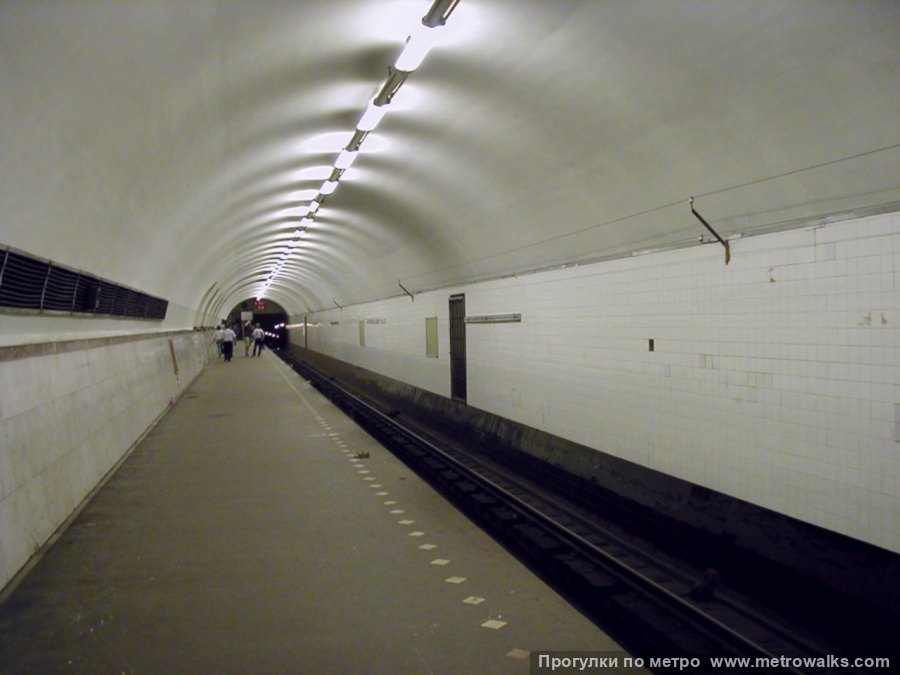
313	207
328	187
439	13
371	117
395	80
345	159
417	47
356	141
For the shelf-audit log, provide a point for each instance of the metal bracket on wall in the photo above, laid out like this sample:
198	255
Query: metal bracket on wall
714	233
406	291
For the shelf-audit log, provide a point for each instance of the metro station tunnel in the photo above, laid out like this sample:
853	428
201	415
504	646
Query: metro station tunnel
449	336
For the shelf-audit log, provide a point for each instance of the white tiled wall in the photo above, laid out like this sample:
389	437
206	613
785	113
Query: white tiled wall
394	339
33	328
67	418
775	379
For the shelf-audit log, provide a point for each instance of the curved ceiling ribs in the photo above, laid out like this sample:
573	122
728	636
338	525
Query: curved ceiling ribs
421	40
671	96
183	148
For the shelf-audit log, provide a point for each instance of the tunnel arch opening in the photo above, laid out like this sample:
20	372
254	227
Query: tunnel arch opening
270	316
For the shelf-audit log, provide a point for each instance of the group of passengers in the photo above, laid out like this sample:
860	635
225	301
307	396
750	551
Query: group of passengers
226	336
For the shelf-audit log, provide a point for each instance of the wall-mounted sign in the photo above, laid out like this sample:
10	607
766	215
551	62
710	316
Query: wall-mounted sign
495	318
376	321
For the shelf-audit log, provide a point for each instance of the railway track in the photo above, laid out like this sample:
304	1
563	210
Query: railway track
642	600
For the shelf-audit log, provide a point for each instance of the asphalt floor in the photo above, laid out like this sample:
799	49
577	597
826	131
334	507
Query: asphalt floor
245	535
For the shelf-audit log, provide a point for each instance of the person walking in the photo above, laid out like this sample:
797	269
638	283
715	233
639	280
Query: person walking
258	338
220	335
247	329
228	338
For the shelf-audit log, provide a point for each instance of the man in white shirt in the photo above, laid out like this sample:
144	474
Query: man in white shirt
228	338
258	337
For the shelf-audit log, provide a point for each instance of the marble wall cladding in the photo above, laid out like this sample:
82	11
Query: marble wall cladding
774	379
65	420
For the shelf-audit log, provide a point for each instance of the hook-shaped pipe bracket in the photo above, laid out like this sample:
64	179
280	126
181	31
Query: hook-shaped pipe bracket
714	233
406	291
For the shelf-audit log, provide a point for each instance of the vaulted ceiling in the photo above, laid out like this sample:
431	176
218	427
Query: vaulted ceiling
177	146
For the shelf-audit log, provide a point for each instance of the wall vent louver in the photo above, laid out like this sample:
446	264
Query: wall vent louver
31	284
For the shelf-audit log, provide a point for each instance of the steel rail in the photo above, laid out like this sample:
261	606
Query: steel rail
632	579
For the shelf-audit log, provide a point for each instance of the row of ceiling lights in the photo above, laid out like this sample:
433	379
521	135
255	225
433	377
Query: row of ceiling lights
418	44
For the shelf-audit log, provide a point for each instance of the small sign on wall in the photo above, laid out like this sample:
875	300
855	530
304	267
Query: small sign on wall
495	318
897	422
431	337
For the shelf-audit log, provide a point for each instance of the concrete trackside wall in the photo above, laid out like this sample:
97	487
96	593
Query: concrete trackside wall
68	412
774	379
768	550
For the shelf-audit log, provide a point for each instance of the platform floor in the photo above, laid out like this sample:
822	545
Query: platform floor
241	536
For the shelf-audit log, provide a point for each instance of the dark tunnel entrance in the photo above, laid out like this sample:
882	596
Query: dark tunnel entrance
270	316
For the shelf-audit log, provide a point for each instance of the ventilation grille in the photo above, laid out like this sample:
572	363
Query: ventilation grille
30	283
